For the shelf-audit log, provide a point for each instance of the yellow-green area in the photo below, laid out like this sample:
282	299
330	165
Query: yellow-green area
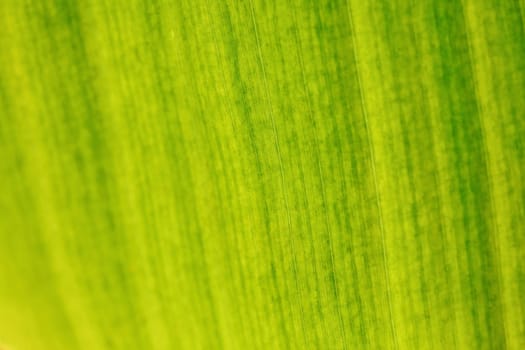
262	174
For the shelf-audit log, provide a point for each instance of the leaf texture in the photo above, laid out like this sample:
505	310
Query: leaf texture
284	174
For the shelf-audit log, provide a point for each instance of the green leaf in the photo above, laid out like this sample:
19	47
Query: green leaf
283	174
